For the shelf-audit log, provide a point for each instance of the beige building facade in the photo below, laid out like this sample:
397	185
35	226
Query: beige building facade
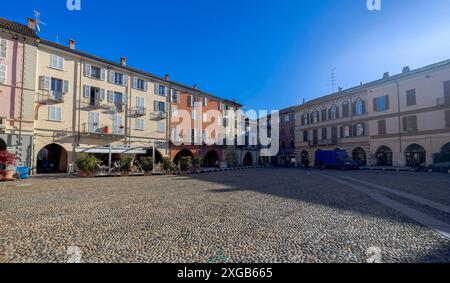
399	121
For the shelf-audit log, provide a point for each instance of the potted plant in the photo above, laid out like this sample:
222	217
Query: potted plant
197	163
106	129
125	165
87	166
147	165
185	164
7	160
168	166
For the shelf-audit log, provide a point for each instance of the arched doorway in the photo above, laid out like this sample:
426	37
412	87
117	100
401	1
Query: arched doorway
211	159
2	145
384	156
446	149
359	155
248	159
52	159
415	155
182	153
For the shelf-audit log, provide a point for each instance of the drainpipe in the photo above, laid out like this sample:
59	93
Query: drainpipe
399	117
19	143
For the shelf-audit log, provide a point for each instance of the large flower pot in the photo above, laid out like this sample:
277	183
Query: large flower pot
9	175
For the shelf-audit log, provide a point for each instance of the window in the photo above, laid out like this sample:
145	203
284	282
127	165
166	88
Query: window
161	127
305	136
334	135
359	130
346	131
410	123
194	114
118	78
54	113
315	137
174	96
205	101
2	74
382	127
305	119
286	118
283	133
411	97
291	117
315	117
139	124
93	122
139	84
346	110
292	144
159	106
334	113
190	101
359	107
57	62
3	48
381	103
447	119
94	72
292	131
174	111
324	134
160	89
324	114
118	101
56	88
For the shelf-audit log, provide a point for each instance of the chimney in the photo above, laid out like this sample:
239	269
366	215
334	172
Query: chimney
195	87
386	75
167	77
123	61
32	24
340	89
72	44
406	70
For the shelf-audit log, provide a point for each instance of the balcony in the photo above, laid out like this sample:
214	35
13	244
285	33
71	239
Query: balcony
97	105
50	97
158	116
136	112
443	101
98	130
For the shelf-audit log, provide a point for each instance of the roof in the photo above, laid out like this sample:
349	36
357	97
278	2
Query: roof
362	87
18	28
131	69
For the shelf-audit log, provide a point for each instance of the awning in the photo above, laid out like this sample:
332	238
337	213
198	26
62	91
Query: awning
113	150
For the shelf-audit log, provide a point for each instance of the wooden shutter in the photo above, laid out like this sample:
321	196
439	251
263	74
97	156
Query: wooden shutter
44	83
405	124
2	74
112	76
125	80
3	48
110	96
135	82
102	74
65	87
87	70
102	94
86	91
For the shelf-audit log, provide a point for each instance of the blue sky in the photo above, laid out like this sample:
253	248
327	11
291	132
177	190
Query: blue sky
267	54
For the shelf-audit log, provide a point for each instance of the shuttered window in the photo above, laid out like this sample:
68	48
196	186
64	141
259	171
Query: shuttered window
411	97
57	62
161	127
159	106
2	74
139	124
381	127
3	48
381	103
410	123
54	113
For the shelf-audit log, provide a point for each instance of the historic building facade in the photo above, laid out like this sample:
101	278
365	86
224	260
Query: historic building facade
17	75
400	120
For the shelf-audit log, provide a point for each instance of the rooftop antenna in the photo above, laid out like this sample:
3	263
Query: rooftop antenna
37	18
333	80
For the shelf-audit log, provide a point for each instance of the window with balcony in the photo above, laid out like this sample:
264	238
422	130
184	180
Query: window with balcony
56	62
411	97
2	74
54	114
160	89
159	106
94	94
57	88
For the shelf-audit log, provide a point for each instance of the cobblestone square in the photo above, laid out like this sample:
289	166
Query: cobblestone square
260	215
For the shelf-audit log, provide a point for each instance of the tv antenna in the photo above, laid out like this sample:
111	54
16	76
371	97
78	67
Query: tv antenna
333	80
37	18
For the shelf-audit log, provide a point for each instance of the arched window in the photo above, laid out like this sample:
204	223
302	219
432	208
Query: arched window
333	112
359	130
359	107
316	117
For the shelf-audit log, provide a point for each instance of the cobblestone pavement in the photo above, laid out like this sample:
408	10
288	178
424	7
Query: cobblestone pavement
261	215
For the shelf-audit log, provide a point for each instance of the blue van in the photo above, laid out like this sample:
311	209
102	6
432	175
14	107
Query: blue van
337	159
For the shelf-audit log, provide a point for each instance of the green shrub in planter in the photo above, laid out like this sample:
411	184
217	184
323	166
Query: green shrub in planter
125	163
147	164
87	164
197	163
168	165
185	163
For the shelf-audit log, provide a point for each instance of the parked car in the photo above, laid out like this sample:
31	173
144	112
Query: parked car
337	159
